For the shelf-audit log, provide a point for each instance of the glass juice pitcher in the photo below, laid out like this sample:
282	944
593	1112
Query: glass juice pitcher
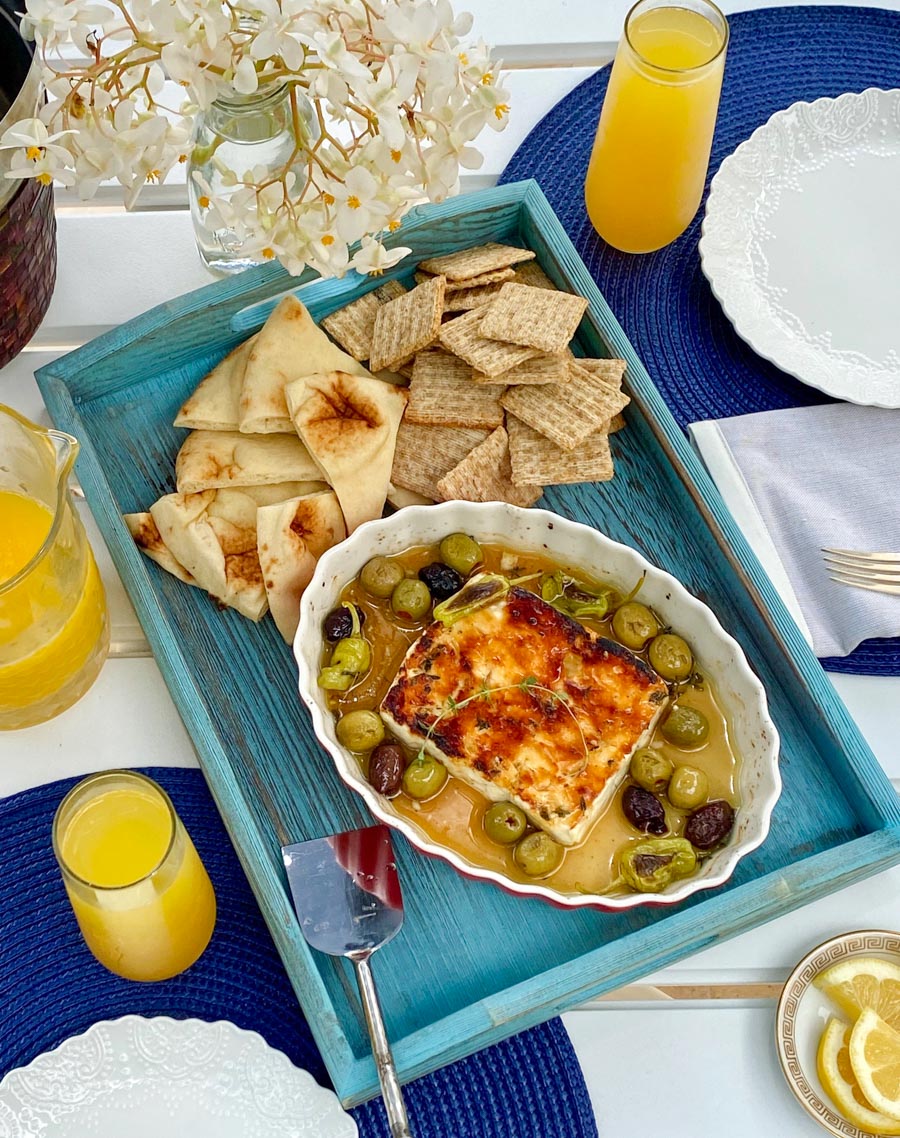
54	632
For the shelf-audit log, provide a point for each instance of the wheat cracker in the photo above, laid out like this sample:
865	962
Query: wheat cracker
468	263
353	325
467	298
531	273
406	325
442	394
485	475
536	459
423	455
567	412
462	337
539	369
533	317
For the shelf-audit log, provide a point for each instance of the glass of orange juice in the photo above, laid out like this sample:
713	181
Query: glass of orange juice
54	632
651	153
140	893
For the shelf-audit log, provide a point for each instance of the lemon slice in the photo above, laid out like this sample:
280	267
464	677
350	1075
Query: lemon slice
837	1078
875	1060
864	982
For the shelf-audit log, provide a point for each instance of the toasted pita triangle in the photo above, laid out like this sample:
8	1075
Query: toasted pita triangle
214	404
209	460
287	346
291	537
147	538
349	424
213	535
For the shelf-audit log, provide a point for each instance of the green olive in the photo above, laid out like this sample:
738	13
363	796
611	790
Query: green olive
685	726
650	769
671	657
380	576
461	552
538	855
688	788
424	777
504	823
360	731
411	599
633	624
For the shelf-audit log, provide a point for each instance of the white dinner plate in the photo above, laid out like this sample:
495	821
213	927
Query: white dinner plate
801	244
166	1078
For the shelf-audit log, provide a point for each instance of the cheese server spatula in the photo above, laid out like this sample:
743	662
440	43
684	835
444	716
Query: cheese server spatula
347	897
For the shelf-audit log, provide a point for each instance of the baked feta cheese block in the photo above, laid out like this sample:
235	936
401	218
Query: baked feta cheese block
527	706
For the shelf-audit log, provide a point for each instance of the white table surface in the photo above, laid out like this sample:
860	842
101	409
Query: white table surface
696	1036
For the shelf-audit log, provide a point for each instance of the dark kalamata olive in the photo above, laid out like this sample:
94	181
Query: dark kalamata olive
710	824
339	624
386	765
644	811
442	581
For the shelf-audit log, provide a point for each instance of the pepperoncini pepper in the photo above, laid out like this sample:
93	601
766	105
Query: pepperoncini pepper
651	865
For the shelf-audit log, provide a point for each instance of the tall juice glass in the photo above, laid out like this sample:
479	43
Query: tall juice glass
140	893
54	632
651	153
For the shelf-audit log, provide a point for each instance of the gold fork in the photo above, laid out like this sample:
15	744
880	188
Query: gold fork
879	572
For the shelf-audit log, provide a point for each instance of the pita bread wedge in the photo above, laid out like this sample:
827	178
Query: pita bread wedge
214	404
148	540
213	535
287	346
291	537
349	424
209	460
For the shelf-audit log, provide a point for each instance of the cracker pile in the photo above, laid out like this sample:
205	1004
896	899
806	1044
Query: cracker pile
499	407
294	442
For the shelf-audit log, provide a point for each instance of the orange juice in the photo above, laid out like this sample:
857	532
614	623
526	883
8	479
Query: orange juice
140	893
53	625
651	153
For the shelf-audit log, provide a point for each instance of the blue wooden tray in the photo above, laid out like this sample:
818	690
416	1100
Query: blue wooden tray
473	964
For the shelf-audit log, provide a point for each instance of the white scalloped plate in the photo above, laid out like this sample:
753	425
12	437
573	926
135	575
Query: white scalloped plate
801	244
143	1078
576	546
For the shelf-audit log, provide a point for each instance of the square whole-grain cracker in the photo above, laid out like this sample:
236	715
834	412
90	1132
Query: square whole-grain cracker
465	299
406	325
612	371
467	263
423	455
616	423
531	273
485	475
462	337
536	459
539	369
353	325
442	394
533	317
567	412
496	276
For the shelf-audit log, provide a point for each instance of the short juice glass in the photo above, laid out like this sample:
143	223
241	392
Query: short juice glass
140	893
650	157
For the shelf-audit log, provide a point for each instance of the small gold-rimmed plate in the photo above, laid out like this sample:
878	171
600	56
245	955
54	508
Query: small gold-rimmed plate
803	1012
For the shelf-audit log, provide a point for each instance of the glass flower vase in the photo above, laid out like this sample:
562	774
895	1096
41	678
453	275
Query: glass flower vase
233	137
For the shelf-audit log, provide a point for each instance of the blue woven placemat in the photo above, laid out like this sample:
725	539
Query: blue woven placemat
51	987
703	370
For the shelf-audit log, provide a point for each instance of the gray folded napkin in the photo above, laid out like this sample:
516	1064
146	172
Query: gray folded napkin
807	477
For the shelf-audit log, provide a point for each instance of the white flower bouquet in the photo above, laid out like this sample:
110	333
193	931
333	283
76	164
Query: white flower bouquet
385	100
